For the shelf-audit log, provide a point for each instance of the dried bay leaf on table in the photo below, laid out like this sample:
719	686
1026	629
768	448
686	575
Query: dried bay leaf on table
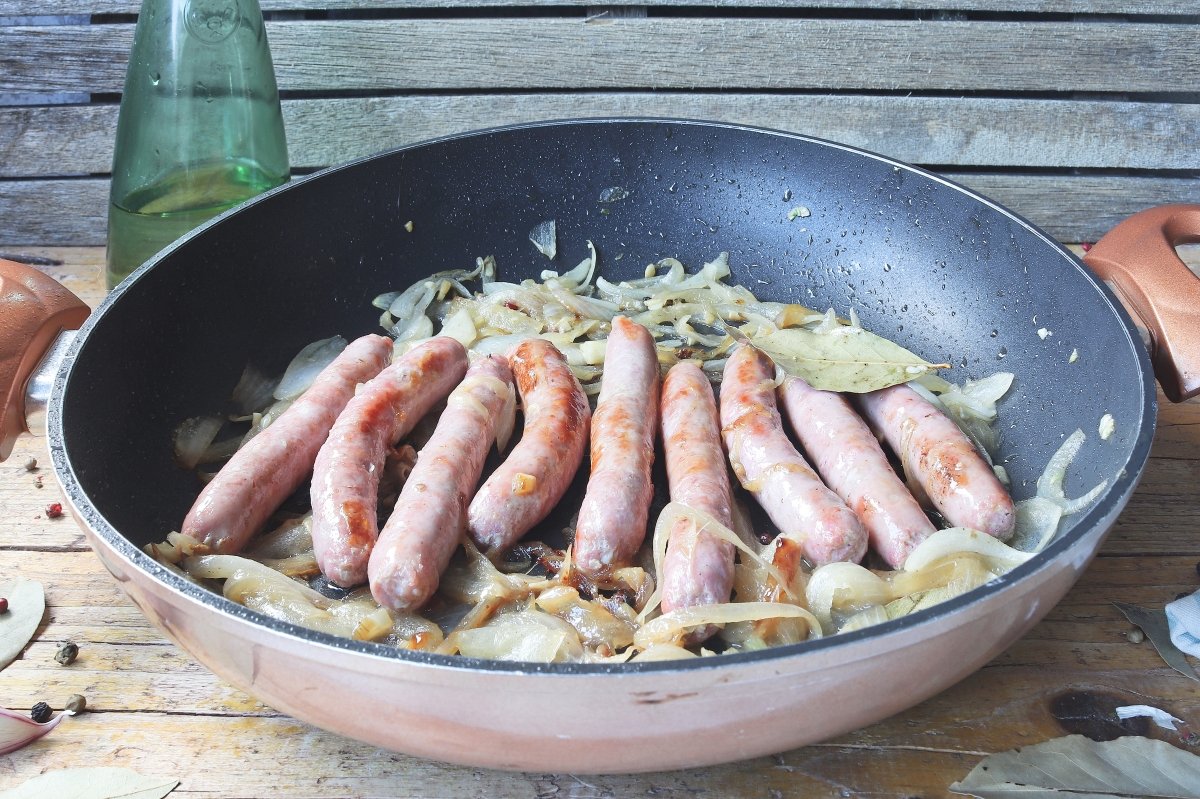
1076	767
92	783
26	604
1154	624
843	359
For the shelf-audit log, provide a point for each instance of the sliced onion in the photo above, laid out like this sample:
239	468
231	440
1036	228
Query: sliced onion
1050	484
670	628
307	364
545	238
1037	523
658	652
957	540
193	438
837	584
253	392
460	327
527	636
875	614
507	420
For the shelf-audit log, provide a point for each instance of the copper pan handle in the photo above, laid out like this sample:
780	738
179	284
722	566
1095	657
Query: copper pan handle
1138	259
34	309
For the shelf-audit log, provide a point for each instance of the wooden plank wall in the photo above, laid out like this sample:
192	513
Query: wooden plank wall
1074	113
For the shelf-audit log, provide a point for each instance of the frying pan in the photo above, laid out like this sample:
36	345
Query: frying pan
945	272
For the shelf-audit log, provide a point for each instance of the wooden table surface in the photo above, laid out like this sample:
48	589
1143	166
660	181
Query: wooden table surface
153	709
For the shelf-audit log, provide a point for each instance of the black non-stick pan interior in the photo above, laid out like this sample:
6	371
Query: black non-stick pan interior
952	277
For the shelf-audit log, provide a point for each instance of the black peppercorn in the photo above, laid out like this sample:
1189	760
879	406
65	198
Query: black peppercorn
41	713
67	653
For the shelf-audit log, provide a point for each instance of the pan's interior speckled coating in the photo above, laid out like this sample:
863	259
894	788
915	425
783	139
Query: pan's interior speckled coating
946	274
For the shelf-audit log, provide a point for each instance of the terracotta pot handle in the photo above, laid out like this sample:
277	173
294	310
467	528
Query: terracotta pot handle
1138	259
34	309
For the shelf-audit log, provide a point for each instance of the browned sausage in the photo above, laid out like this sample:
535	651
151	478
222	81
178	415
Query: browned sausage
273	464
537	472
612	518
431	514
698	567
769	467
851	462
941	460
345	485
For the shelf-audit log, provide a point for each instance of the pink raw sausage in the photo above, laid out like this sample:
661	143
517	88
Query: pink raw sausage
345	485
430	516
273	464
537	472
851	462
768	466
612	518
941	460
698	567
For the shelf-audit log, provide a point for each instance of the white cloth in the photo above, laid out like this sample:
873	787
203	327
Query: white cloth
1183	619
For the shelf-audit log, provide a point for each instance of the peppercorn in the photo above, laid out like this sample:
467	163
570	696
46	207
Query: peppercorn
54	510
41	713
76	703
67	653
3	605
31	464
1135	636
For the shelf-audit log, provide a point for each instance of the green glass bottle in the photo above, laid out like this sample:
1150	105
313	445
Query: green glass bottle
200	128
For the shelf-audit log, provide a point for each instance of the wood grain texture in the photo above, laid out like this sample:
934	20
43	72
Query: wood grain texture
155	710
1068	207
33	7
1002	132
655	53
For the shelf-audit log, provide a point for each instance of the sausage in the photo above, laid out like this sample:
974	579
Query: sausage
345	484
807	513
698	567
260	476
430	516
941	461
539	468
612	518
851	462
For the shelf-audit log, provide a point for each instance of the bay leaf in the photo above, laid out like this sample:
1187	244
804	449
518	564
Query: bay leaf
843	359
26	604
1076	767
100	782
1154	624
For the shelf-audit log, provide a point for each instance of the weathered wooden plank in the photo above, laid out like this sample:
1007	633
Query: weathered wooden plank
68	7
1068	207
659	53
916	754
951	132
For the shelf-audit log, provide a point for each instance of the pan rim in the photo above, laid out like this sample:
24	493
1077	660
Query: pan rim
1105	509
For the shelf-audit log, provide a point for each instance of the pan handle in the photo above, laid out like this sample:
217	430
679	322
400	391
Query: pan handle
34	309
1138	259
